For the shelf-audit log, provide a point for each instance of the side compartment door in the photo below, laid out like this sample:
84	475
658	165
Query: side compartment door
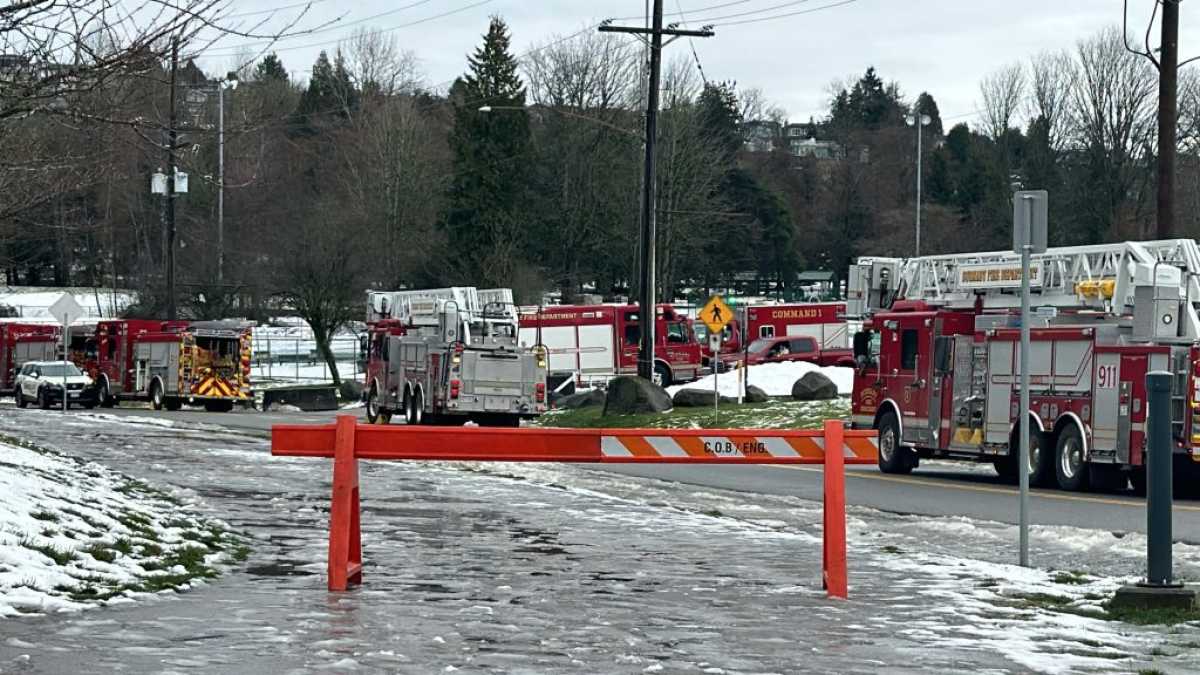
1001	374
1111	407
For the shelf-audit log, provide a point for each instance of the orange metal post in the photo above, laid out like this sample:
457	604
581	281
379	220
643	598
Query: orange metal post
835	512
345	539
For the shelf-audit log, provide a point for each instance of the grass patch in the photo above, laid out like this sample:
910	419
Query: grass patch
774	414
1150	671
891	549
123	545
48	516
151	550
90	521
49	533
101	552
1072	578
1152	617
58	555
714	513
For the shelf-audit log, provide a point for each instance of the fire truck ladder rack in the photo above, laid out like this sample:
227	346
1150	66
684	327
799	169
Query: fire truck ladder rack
1099	278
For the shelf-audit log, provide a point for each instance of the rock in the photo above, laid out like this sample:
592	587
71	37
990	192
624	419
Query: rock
755	395
814	386
695	398
629	395
581	399
350	390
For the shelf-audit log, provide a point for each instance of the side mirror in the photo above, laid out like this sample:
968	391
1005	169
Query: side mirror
33	375
942	349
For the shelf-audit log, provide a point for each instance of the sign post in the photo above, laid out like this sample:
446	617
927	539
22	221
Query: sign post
1029	237
716	315
62	310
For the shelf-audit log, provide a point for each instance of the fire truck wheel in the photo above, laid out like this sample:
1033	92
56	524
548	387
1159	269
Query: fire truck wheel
893	457
171	403
373	406
106	397
218	406
1137	480
662	375
1069	464
418	407
156	396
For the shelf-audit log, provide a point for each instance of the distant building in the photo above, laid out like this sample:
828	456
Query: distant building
760	135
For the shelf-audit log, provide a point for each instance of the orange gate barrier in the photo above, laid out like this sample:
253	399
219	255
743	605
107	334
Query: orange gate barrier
347	442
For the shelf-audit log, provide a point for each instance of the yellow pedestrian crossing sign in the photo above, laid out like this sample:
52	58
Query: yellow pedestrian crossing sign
716	314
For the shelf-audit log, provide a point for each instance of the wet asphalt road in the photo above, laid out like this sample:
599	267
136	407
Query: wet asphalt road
935	489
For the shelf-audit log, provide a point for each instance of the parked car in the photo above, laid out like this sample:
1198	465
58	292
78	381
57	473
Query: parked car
41	382
796	348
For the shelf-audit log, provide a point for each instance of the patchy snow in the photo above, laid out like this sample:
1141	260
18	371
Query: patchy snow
774	378
35	302
75	535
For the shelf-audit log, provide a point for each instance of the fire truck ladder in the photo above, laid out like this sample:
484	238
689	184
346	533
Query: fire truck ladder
1098	278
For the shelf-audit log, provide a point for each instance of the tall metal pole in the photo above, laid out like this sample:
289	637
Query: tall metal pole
646	310
1159	479
1168	80
171	139
1023	459
221	181
917	116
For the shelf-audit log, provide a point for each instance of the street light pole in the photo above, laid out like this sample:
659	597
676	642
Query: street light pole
919	120
229	82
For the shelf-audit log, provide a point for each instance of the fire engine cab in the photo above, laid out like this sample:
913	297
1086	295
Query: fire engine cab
21	342
937	359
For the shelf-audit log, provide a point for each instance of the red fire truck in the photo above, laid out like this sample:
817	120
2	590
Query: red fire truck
594	343
169	363
22	342
938	359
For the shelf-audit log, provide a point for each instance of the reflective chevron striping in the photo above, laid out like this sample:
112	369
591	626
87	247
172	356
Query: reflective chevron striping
732	446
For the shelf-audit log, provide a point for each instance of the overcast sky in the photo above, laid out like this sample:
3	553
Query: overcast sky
940	46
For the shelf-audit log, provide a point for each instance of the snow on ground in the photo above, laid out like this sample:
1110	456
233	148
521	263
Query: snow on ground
34	302
75	535
774	378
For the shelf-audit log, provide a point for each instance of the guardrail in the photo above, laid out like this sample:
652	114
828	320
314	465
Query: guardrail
346	442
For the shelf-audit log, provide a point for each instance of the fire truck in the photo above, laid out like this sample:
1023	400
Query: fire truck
169	363
937	359
594	343
21	342
449	356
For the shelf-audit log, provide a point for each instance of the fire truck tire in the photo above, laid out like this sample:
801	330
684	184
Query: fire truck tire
156	396
105	396
171	403
218	406
1069	464
373	406
418	407
893	456
662	375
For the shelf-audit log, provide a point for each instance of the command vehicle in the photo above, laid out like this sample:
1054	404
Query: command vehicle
170	363
824	322
449	356
594	343
43	382
937	360
22	342
783	349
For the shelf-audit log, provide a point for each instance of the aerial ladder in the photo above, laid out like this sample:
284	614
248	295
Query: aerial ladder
1154	286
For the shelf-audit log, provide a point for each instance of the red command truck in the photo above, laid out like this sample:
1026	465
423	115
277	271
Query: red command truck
937	360
21	343
170	363
594	343
823	322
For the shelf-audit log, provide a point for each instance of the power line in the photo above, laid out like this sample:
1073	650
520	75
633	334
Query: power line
695	9
751	12
234	49
789	14
276	9
692	44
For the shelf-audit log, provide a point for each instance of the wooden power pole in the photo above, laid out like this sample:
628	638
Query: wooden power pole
1168	85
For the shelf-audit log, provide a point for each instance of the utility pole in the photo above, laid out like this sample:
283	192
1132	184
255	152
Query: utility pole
647	304
1168	84
171	139
221	182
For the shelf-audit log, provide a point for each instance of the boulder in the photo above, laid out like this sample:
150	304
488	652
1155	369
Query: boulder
696	398
581	399
755	395
814	386
350	390
629	395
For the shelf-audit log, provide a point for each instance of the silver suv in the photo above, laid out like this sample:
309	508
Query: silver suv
42	382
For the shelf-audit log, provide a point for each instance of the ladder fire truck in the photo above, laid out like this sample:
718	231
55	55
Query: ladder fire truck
448	356
936	360
21	342
169	363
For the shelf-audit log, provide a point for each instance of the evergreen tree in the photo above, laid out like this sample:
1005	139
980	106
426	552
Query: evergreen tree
720	118
491	152
869	104
928	106
270	69
330	95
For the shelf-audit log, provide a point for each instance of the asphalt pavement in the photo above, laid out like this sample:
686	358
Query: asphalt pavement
935	489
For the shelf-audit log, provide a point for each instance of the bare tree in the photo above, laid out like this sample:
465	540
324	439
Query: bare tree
1002	92
756	107
1052	74
379	66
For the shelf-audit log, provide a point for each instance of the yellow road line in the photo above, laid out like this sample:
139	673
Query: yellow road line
983	488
